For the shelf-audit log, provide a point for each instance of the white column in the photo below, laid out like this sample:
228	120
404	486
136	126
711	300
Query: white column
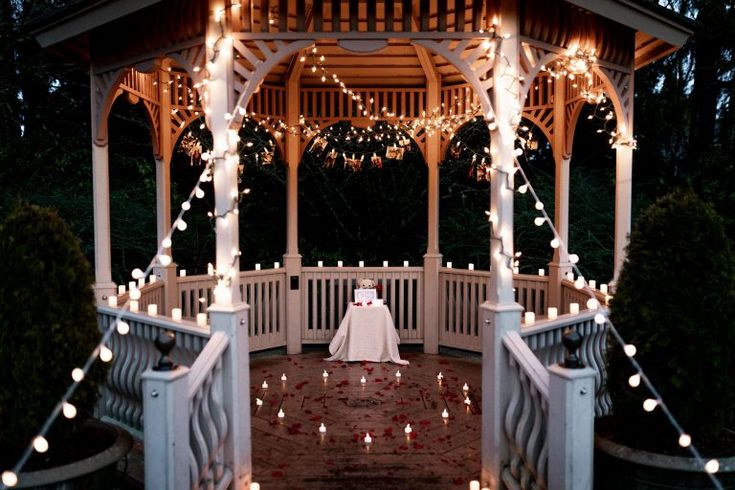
623	203
219	101
102	249
571	430
166	428
292	258
500	313
559	265
432	258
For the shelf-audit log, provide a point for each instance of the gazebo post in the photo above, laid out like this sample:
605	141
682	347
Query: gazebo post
623	198
560	265
500	313
167	273
292	258
103	286
432	258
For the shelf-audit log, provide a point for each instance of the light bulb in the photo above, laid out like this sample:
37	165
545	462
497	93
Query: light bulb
712	466
123	328
199	193
649	405
630	350
539	205
600	318
573	258
105	354
554	243
259	402
635	380
9	478
579	283
77	374
538	221
181	224
40	444
186	205
135	294
685	440
592	304
166	242
164	259
69	410
137	273
523	189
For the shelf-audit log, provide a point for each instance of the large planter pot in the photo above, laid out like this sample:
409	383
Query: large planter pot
95	472
619	467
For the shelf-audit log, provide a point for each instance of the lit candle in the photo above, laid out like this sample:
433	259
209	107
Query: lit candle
603	288
176	314
264	385
471	266
284	378
541	272
449	265
405	263
474	485
552	313
121	289
153	310
574	308
466	387
361	263
257	267
255	486
445	414
152	278
570	276
202	319
322	428
516	270
182	273
592	283
320	263
363	380
276	265
281	413
325	375
408	429
112	301
579	283
133	306
141	282
340	263
398	374
132	285
385	263
530	317
439	377
368	439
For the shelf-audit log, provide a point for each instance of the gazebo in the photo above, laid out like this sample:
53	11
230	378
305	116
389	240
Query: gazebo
296	67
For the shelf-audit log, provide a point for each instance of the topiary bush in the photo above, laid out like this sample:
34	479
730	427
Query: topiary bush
48	326
675	301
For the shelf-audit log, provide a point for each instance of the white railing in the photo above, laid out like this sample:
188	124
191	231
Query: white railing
544	338
135	352
327	290
265	292
461	292
570	294
207	417
150	294
526	417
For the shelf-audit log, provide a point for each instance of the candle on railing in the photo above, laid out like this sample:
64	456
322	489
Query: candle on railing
579	283
322	428
445	414
552	313
530	318
405	263
132	285
153	310
182	273
474	485
325	375
121	289
276	265
133	306
471	266
257	267
361	263
574	308
592	283
603	288
363	380
264	385
541	272
281	413
408	429
570	276
516	270
255	486
152	278
320	263
284	378
112	301
340	263
141	282
202	319
466	388
385	263
176	314
449	265
368	439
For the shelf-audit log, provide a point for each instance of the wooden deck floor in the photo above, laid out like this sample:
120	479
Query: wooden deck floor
290	453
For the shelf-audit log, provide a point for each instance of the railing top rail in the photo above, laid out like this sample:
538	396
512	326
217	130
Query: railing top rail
396	268
601	297
464	272
183	326
561	321
528	362
253	273
206	360
531	277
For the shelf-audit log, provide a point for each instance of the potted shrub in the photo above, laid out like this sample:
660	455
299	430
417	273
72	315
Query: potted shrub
675	301
48	326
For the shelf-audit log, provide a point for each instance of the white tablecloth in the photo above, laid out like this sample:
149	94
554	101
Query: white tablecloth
367	333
